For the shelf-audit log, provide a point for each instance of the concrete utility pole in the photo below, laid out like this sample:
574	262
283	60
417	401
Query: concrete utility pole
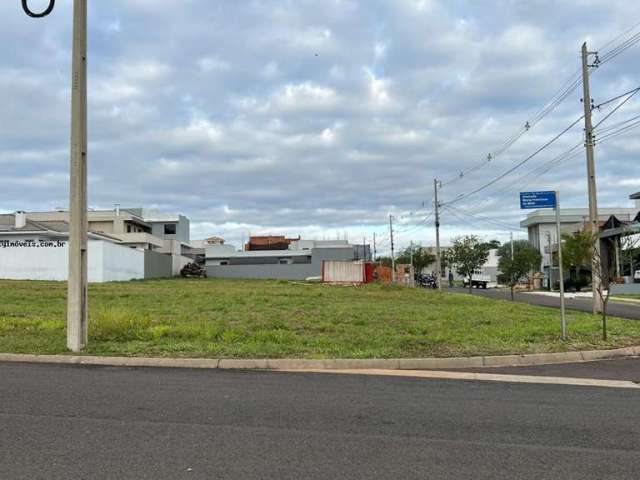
77	318
511	235
437	223
77	304
393	255
373	259
411	254
591	174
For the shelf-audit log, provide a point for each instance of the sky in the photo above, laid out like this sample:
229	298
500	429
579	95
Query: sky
318	119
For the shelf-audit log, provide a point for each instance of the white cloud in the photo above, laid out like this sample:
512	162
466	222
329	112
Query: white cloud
311	117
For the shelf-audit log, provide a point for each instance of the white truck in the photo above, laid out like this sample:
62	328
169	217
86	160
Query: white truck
478	280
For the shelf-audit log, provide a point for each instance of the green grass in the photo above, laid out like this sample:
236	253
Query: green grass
271	319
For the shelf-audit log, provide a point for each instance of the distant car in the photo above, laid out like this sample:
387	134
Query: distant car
636	276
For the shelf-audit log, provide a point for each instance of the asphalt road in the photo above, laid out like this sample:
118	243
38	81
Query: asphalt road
616	309
621	369
62	422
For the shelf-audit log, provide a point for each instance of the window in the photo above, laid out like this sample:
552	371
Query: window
169	228
128	228
224	262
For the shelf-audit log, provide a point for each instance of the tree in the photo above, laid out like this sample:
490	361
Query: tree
493	244
601	272
525	260
580	248
576	250
384	261
577	253
422	257
468	254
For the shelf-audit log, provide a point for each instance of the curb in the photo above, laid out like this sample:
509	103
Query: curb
330	364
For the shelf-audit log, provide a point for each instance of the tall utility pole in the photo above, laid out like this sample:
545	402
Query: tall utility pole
512	249
591	174
77	314
373	259
437	222
411	254
393	255
77	318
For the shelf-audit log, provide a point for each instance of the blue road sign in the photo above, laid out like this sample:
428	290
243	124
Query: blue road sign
530	200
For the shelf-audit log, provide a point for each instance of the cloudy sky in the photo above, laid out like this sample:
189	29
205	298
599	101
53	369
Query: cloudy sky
316	118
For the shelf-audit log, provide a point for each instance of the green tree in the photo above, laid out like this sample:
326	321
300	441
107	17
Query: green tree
385	261
577	251
493	244
422	257
525	260
468	254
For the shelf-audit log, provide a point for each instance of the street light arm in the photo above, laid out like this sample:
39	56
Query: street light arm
44	13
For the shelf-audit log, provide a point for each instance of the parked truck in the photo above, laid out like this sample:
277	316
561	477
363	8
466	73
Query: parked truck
478	280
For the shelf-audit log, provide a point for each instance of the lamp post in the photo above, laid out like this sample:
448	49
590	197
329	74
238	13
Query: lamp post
77	319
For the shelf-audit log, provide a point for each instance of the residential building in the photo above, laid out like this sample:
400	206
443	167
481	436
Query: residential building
301	260
268	242
162	239
31	250
541	228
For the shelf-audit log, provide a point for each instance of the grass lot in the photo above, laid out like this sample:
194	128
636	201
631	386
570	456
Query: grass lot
227	318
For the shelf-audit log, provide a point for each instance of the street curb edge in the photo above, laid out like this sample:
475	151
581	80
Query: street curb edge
330	364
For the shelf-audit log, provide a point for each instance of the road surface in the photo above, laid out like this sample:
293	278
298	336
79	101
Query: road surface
61	422
616	309
620	369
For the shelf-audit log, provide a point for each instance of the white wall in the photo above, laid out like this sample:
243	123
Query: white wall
33	263
119	263
177	263
106	261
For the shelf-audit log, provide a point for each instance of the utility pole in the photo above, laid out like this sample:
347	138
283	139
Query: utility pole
373	259
437	223
77	291
364	249
77	305
411	254
393	256
591	178
512	254
512	251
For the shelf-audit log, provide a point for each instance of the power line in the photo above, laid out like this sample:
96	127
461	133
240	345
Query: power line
483	218
518	165
475	222
629	96
617	50
566	90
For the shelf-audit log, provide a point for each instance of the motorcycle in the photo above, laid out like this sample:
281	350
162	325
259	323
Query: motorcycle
426	281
